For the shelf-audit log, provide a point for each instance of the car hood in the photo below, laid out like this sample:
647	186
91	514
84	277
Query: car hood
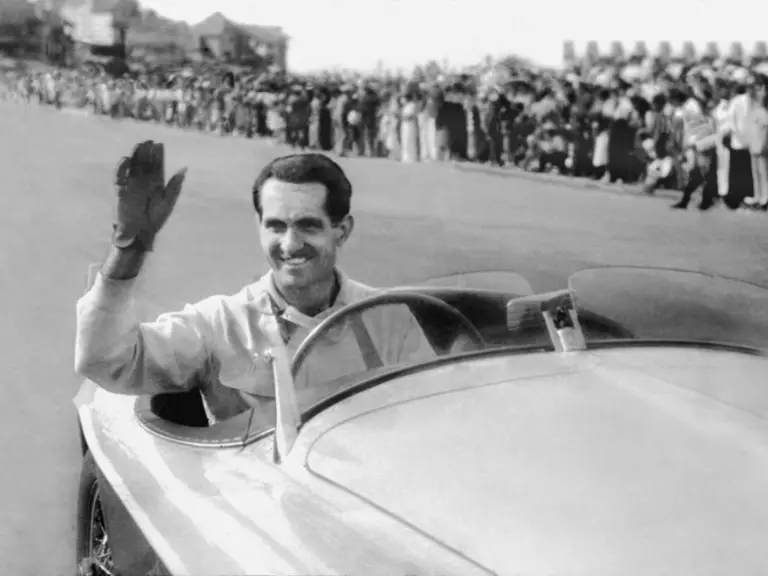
639	461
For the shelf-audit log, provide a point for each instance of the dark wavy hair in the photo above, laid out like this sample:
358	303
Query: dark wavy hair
305	169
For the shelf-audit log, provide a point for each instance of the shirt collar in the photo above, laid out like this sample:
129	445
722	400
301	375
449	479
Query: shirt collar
266	287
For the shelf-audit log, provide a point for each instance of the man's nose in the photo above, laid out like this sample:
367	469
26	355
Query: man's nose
291	241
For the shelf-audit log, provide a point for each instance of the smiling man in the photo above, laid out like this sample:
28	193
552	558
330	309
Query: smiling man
302	204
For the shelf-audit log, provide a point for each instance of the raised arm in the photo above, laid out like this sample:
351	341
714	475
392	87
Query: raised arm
112	347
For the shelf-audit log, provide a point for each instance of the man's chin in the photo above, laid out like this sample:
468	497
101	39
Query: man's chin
294	276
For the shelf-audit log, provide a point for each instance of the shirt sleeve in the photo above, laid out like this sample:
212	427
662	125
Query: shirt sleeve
126	356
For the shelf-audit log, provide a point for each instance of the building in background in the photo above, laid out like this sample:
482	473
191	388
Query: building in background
224	39
95	28
19	25
34	30
121	30
269	42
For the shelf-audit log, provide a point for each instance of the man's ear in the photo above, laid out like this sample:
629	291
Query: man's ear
344	229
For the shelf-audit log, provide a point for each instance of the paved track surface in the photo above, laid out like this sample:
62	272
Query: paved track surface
413	222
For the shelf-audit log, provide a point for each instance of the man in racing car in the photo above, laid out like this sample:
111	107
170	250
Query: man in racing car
303	212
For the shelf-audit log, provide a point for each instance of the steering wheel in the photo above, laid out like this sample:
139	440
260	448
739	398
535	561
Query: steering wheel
383	299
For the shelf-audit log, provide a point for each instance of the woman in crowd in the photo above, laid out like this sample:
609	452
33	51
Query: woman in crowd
621	140
321	124
391	126
409	129
721	114
474	129
602	117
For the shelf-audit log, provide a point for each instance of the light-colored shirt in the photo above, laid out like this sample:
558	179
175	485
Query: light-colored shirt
624	110
739	110
697	125
722	115
216	345
756	130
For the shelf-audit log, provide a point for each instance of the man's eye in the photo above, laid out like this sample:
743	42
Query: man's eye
276	226
310	226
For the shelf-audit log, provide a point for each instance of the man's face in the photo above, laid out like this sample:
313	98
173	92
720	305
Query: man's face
296	234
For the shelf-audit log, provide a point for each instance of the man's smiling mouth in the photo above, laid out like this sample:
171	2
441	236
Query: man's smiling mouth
295	260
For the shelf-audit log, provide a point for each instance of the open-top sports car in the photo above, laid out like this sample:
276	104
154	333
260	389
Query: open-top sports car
615	427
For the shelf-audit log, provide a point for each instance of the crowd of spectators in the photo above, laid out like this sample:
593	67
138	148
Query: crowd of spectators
698	127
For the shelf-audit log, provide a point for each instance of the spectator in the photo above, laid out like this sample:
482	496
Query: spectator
721	114
659	145
391	127
757	140
740	165
409	130
369	120
696	131
341	109
701	137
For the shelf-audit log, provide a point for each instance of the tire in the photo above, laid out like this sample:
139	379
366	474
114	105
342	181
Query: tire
92	559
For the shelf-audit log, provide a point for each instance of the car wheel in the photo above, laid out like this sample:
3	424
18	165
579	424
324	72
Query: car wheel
94	555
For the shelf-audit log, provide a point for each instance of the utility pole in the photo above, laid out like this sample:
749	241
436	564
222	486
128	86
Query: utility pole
43	9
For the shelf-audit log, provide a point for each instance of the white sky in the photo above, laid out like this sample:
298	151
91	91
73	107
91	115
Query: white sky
401	33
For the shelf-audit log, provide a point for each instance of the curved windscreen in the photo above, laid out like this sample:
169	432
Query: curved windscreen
491	280
662	304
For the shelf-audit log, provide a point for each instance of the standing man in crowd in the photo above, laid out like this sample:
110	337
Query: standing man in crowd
298	116
340	108
369	104
429	118
740	164
494	109
721	114
701	136
757	139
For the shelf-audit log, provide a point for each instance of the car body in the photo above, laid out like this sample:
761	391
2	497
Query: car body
578	441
